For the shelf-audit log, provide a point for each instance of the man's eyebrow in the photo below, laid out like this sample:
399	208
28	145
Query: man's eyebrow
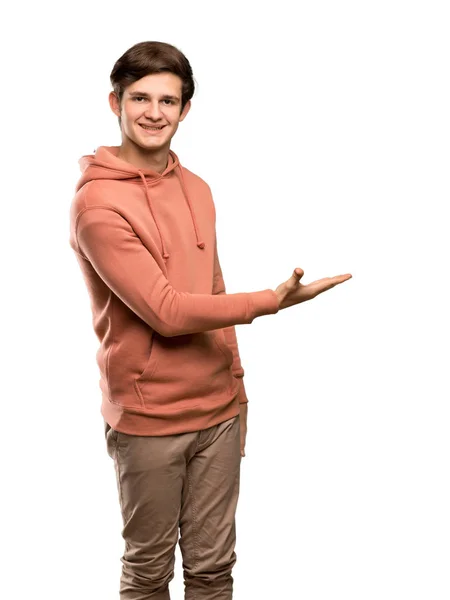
145	95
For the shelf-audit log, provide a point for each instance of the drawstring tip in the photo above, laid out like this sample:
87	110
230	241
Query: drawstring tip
165	255
201	245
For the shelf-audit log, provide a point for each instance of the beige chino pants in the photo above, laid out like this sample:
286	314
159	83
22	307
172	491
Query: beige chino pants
185	484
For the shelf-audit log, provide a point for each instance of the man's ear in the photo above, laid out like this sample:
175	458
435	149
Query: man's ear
114	103
185	110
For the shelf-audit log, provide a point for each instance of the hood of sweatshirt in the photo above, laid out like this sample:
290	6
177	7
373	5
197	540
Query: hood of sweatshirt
105	164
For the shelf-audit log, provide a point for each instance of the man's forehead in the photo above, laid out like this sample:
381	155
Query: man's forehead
149	85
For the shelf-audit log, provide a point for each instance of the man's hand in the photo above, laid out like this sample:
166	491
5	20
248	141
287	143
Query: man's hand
243	425
293	292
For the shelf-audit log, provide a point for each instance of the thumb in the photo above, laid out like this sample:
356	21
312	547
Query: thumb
297	274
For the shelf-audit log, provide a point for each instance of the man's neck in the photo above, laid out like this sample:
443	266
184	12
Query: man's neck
156	161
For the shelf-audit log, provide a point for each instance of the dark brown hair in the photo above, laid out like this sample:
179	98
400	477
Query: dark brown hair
146	58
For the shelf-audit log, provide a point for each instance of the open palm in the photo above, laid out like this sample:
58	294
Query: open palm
293	292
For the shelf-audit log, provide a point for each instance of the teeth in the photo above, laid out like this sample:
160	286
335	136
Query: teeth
152	128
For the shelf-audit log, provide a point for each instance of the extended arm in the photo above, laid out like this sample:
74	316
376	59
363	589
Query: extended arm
108	241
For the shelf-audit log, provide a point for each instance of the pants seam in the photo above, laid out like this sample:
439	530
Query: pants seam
194	520
120	483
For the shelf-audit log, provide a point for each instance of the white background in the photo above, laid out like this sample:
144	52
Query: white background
323	130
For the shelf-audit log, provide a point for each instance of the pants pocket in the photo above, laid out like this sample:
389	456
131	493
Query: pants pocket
111	436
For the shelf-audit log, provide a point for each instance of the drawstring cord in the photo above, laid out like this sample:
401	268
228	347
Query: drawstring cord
200	244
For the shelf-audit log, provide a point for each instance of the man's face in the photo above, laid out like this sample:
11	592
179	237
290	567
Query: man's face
153	101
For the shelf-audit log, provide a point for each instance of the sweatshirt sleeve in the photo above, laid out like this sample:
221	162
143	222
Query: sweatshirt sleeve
117	254
230	332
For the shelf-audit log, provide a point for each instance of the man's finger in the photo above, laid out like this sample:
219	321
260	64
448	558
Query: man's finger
243	447
322	285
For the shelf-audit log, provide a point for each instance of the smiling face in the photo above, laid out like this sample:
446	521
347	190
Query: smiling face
150	112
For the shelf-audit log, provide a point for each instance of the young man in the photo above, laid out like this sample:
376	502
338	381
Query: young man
173	396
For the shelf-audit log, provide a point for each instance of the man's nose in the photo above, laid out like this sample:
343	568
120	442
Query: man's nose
153	111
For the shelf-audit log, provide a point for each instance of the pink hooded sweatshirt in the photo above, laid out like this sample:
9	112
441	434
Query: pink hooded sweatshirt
146	244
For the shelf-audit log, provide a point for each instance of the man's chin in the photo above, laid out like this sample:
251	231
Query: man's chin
151	143
146	144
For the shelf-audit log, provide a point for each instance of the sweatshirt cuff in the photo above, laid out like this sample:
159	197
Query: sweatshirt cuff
242	396
263	303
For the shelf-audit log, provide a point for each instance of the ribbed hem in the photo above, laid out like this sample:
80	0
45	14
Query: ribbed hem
137	422
263	303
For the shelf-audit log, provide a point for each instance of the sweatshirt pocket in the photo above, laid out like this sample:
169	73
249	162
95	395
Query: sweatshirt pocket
219	338
184	371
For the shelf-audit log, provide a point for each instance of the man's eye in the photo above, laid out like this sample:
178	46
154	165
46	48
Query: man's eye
142	98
